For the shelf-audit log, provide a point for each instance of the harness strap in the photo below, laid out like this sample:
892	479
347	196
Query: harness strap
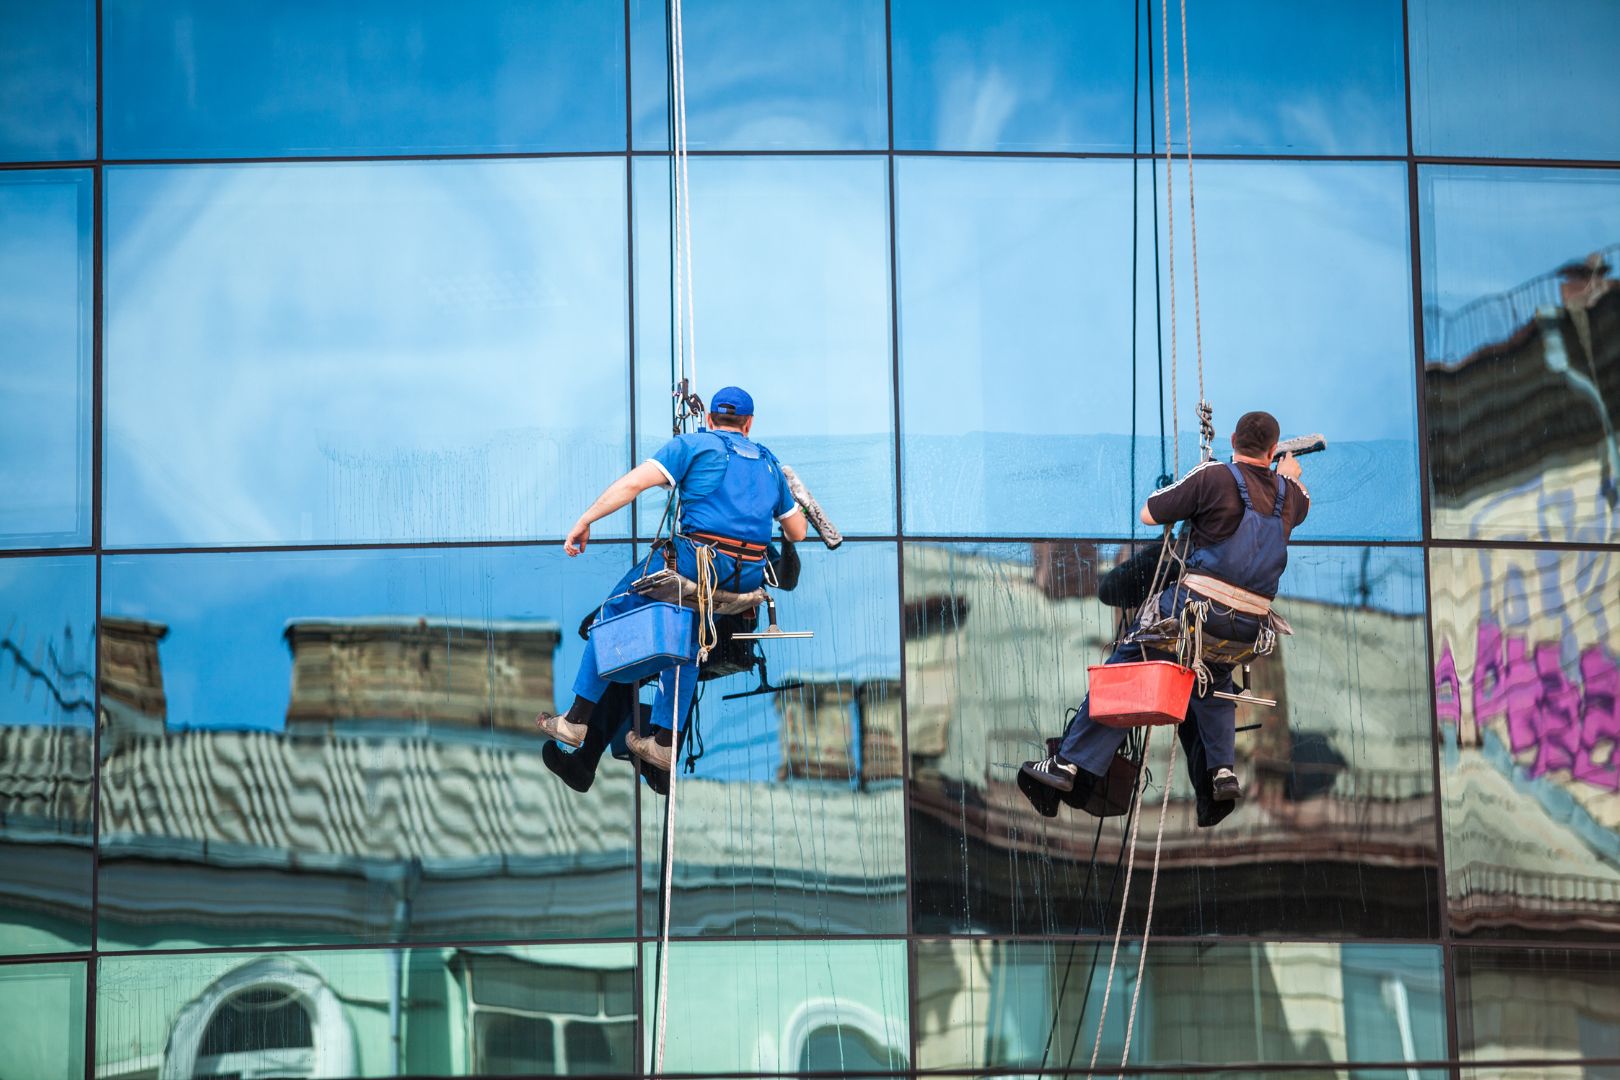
741	550
1250	603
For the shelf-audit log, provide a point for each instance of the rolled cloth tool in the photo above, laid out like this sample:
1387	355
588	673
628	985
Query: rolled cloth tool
812	510
1300	444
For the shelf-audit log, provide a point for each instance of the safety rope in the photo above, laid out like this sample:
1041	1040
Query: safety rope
1153	894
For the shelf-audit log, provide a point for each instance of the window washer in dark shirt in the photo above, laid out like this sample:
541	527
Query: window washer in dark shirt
731	491
1240	516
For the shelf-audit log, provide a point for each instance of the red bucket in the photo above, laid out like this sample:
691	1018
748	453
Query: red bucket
1140	694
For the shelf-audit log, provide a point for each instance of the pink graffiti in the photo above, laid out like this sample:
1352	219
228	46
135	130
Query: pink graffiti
1564	724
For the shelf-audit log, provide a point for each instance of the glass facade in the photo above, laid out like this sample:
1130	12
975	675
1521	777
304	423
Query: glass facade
320	324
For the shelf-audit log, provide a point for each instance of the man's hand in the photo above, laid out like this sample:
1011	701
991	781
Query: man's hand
1289	467
580	535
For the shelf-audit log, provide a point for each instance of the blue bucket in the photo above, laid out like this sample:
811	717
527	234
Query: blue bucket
644	641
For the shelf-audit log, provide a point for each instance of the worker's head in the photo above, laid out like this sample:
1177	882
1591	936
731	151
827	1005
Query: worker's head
731	409
1256	435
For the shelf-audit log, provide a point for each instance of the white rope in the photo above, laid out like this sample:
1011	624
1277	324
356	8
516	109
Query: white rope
685	310
669	881
1153	894
1192	204
1170	234
1125	895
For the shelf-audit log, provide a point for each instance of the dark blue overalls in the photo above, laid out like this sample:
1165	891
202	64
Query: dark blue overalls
739	511
1252	558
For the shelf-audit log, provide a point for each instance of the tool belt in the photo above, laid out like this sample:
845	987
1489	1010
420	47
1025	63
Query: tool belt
1250	603
740	550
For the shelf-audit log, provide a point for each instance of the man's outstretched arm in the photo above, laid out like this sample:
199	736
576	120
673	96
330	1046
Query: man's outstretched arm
618	495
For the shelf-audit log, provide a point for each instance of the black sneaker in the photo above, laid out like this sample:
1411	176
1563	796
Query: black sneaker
1225	784
1045	800
570	768
1052	771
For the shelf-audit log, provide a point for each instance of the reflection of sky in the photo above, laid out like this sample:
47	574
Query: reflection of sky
194	78
1506	78
1016	351
47	609
791	283
44	357
363	352
1267	75
226	664
788	75
47	81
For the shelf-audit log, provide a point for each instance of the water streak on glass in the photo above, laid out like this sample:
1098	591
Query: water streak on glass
1521	329
763	74
355	353
1526	678
534	1010
320	747
48	81
47	697
188	78
1336	834
45	358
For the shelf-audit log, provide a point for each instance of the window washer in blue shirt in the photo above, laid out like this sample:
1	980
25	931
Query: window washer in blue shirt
730	492
1240	515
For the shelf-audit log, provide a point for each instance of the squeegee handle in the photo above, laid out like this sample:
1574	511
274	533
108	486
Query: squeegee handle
1300	444
812	510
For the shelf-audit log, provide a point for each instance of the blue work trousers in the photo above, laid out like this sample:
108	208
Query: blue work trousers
670	707
1092	746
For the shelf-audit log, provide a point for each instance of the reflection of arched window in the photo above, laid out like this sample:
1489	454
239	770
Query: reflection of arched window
841	1037
271	1017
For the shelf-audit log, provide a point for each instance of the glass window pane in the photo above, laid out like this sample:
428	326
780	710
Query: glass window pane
1521	329
1525	686
47	701
792	821
1539	1003
190	78
1515	78
1023	75
44	1007
48	81
758	1006
791	286
363	352
995	1004
319	746
326	1013
996	652
45	297
1275	76
1017	359
764	74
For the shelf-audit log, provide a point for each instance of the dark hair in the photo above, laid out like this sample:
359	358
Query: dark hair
730	421
1256	432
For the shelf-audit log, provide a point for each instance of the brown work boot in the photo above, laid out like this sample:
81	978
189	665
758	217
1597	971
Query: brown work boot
561	728
651	749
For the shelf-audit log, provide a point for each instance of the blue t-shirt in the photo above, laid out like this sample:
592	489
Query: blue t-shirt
696	462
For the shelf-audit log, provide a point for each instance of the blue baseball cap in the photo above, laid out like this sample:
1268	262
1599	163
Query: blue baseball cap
731	401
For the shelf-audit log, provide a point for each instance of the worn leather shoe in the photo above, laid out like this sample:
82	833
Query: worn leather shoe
570	768
1225	784
561	728
648	749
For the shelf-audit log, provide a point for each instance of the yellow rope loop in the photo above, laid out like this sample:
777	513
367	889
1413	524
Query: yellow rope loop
707	581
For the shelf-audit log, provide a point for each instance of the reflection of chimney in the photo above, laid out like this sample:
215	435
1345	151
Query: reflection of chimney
1066	570
1580	283
131	671
490	675
821	722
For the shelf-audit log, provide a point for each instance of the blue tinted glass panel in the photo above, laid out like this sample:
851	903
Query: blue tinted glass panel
348	352
773	75
1016	351
44	1005
1521	330
1538	1004
45	297
792	821
1515	78
1019	1005
997	640
47	80
1029	75
189	78
530	1010
773	1007
328	747
1274	76
1526	646
791	286
47	702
